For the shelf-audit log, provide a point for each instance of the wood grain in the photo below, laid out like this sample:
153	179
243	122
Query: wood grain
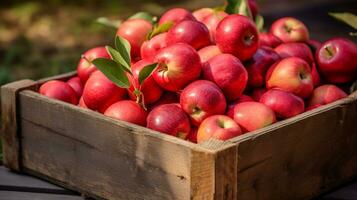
10	128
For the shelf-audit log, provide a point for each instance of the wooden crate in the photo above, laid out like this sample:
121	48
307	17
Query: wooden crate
83	150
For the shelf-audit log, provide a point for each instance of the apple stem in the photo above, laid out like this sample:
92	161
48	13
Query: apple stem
82	56
140	98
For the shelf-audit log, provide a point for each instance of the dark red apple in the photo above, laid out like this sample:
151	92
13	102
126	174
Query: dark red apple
169	119
336	60
77	85
85	66
150	89
59	90
270	40
295	49
259	65
190	32
202	99
219	127
228	73
316	79
257	93
284	104
237	35
253	6
128	111
178	65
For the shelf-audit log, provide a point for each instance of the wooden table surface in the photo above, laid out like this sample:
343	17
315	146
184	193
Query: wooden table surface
15	186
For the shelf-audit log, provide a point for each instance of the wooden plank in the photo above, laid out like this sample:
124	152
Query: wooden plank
10	128
13	195
301	157
86	151
21	182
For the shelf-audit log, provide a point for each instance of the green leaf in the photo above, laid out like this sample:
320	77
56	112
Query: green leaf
160	29
108	22
259	21
348	18
238	7
112	71
123	47
117	57
146	72
143	15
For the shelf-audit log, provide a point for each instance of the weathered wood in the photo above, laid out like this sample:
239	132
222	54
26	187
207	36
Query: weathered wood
10	128
103	156
301	157
12	195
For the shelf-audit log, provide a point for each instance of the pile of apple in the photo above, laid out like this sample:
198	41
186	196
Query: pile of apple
214	75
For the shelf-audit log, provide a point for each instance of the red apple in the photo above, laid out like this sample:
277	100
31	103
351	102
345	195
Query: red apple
202	99
228	73
336	60
270	40
150	89
314	45
295	49
135	31
169	119
259	65
251	116
59	90
176	15
284	104
178	65
208	52
85	66
77	85
212	21
231	105
253	6
192	136
289	29
257	93
81	103
166	98
99	92
325	94
291	74
218	127
150	48
316	79
202	13
190	32
128	111
237	35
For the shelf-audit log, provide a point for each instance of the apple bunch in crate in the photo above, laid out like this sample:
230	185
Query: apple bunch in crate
211	73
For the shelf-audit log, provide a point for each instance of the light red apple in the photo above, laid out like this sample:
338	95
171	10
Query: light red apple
208	52
59	90
151	47
251	116
257	67
190	32
226	71
237	35
178	65
176	15
289	29
77	85
85	66
82	104
218	127
135	31
325	94
127	110
231	105
202	99
291	74
150	89
212	22
284	104
336	60
202	13
169	119
99	92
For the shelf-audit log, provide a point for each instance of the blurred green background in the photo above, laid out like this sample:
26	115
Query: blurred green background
46	37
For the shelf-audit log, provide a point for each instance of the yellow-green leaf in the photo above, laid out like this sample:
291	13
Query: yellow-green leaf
348	18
